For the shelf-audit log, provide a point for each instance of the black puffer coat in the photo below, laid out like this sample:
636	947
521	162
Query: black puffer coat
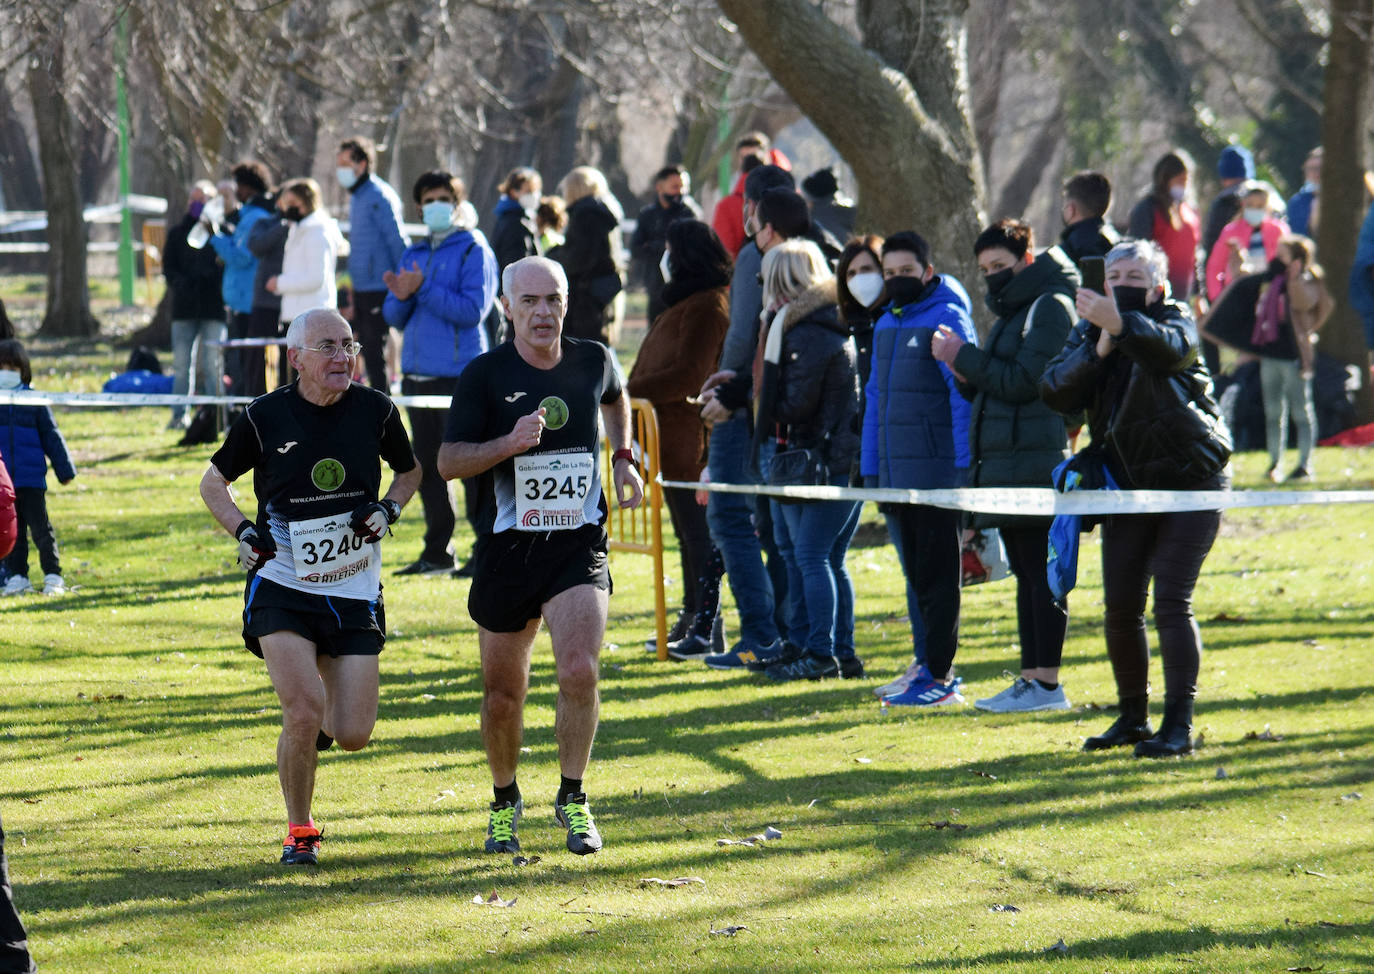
818	381
1149	402
593	277
1014	437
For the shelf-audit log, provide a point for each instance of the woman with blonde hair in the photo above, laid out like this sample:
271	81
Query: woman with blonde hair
588	254
311	253
809	407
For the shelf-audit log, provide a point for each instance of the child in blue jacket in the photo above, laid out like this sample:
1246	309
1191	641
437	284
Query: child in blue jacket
28	440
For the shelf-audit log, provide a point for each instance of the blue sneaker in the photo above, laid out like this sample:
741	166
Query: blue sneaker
808	667
743	656
926	691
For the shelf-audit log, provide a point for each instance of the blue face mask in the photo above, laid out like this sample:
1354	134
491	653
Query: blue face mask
438	215
346	176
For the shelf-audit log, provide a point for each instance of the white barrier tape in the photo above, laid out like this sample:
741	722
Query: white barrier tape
107	399
1046	502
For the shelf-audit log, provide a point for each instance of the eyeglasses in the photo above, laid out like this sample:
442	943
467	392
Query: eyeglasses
331	349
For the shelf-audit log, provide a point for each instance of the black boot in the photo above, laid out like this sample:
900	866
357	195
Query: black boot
1133	725
678	629
1175	735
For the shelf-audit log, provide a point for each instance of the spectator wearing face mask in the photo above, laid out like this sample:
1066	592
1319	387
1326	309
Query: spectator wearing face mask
1087	197
1166	217
310	257
374	234
672	202
1247	244
514	233
437	297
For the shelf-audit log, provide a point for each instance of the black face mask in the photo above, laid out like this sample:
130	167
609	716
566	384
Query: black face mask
904	290
673	199
293	213
1277	268
1131	298
997	282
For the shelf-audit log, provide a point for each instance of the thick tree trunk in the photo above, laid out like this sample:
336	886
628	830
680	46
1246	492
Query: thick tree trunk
896	110
68	311
1343	195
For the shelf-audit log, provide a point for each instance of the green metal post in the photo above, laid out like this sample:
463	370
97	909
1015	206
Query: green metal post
126	223
727	158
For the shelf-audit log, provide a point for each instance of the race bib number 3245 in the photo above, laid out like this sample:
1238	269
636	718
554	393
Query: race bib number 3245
551	490
325	550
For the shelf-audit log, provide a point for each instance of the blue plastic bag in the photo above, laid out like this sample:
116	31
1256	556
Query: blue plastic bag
1061	565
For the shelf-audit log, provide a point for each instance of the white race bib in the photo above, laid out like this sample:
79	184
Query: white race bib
551	491
325	550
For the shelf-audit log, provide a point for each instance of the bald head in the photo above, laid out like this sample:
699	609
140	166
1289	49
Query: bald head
535	270
300	333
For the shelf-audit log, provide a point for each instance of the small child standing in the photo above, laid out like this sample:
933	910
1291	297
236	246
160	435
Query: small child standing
28	440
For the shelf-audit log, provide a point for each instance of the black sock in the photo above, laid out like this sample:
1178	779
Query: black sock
1047	686
509	793
567	787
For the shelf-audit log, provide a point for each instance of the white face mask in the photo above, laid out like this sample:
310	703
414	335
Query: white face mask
9	379
528	201
1254	215
663	268
866	287
1177	193
346	176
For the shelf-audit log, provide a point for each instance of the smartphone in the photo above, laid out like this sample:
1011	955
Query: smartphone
1094	274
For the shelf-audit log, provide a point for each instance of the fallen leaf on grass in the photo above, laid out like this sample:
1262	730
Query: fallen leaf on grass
771	833
1317	968
1264	735
1003	908
1313	872
492	900
672	883
1228	617
1221	774
446	793
956	826
1354	796
727	931
982	774
1058	948
863	760
768	835
523	861
35	801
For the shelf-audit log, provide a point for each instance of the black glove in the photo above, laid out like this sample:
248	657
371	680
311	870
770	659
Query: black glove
371	521
255	550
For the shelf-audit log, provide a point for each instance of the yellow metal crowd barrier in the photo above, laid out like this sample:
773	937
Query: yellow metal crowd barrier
640	529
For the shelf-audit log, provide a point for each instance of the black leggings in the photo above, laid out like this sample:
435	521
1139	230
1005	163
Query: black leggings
1169	548
694	542
1040	619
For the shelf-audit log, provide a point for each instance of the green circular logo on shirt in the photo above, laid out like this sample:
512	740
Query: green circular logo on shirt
328	474
555	413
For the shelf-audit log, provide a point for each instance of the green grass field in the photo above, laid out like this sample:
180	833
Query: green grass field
144	822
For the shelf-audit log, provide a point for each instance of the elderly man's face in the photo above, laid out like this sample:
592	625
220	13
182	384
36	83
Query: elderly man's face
329	370
536	306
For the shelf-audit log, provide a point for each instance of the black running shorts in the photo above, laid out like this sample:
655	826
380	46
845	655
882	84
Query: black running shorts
337	627
516	572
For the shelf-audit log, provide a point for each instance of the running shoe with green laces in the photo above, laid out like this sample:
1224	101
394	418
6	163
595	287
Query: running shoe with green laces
576	817
302	846
501	826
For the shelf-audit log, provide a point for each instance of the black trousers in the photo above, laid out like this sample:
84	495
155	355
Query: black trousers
930	539
235	358
1040	620
694	543
31	507
426	433
262	323
1169	548
14	944
369	329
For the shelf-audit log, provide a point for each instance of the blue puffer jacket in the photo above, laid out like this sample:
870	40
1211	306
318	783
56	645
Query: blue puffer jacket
915	420
374	233
28	439
442	320
1361	282
240	263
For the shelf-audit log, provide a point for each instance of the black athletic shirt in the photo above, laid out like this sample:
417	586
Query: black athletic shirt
559	484
313	466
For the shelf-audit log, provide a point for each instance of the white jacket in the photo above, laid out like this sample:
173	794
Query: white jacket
308	261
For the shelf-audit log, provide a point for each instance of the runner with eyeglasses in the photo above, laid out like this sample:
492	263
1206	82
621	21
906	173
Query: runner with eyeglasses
313	599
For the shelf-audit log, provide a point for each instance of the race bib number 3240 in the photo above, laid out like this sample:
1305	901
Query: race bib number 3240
325	549
551	490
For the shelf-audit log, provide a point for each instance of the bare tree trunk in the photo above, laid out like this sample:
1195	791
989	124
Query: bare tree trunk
895	107
69	299
18	174
1343	194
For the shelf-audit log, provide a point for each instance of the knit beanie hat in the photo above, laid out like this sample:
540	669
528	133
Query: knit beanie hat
1236	163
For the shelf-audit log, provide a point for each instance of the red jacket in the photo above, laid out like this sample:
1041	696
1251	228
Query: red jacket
728	218
9	521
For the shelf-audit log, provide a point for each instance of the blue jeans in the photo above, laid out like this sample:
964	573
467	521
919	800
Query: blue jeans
191	338
730	518
813	539
913	610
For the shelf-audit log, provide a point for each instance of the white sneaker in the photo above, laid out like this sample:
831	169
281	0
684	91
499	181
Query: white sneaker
17	585
900	684
1024	696
53	585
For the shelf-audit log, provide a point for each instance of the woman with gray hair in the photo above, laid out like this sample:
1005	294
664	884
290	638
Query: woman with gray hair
1133	364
